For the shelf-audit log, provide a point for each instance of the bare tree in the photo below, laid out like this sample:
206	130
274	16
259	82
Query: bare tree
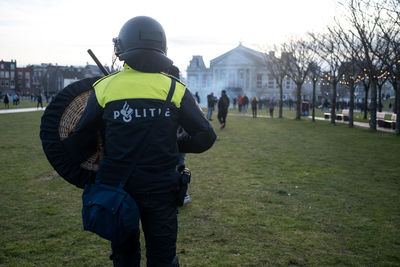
366	82
382	78
390	30
329	51
315	74
298	61
277	69
352	65
364	17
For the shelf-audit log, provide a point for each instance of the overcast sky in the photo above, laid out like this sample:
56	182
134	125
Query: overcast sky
61	31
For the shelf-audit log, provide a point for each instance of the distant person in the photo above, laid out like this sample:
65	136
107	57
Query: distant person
240	103
254	106
181	133
325	105
210	105
196	95
39	101
271	108
181	162
245	103
290	104
223	105
6	101
234	102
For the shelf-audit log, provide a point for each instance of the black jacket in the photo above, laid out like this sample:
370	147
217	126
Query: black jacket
123	107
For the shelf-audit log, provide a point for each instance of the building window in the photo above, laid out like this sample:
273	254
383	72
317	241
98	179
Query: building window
12	75
287	83
27	75
28	85
7	75
2	66
270	81
12	66
19	75
7	82
259	80
1	74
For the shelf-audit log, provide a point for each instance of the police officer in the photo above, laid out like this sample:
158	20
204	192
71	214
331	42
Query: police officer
122	107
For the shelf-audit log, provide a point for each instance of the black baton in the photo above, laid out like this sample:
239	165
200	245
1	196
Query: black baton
105	72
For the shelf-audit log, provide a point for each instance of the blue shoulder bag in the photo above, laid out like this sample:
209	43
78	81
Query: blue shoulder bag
110	211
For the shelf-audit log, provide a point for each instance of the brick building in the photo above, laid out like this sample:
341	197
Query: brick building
23	81
14	80
7	77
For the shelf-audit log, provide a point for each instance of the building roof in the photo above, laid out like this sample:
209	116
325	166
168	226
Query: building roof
240	55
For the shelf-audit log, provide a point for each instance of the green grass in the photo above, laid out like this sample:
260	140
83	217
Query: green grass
270	192
22	104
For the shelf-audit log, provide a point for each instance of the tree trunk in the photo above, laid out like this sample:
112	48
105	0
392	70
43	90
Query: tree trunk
298	108
380	97
313	100
395	87
333	105
366	89
372	121
351	104
280	100
397	99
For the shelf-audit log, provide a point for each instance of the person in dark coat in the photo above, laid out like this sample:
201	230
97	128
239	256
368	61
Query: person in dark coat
6	101
39	101
223	105
125	106
271	108
196	95
210	105
245	102
254	102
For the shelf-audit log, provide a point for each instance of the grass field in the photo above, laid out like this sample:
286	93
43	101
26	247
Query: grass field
22	104
270	192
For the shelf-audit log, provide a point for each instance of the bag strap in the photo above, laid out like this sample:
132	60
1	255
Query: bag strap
149	135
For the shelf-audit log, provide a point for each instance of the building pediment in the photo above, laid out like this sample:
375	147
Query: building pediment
239	56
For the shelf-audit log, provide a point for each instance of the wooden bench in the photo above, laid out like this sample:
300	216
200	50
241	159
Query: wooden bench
340	117
394	117
344	116
380	116
327	115
345	113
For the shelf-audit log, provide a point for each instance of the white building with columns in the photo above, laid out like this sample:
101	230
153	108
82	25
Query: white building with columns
239	71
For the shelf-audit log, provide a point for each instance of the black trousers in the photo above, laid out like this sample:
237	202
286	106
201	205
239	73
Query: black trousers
158	214
254	111
222	116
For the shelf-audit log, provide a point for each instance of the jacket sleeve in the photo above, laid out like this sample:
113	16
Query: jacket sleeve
91	118
82	143
200	134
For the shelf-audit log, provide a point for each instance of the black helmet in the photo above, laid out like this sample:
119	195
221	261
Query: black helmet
142	44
